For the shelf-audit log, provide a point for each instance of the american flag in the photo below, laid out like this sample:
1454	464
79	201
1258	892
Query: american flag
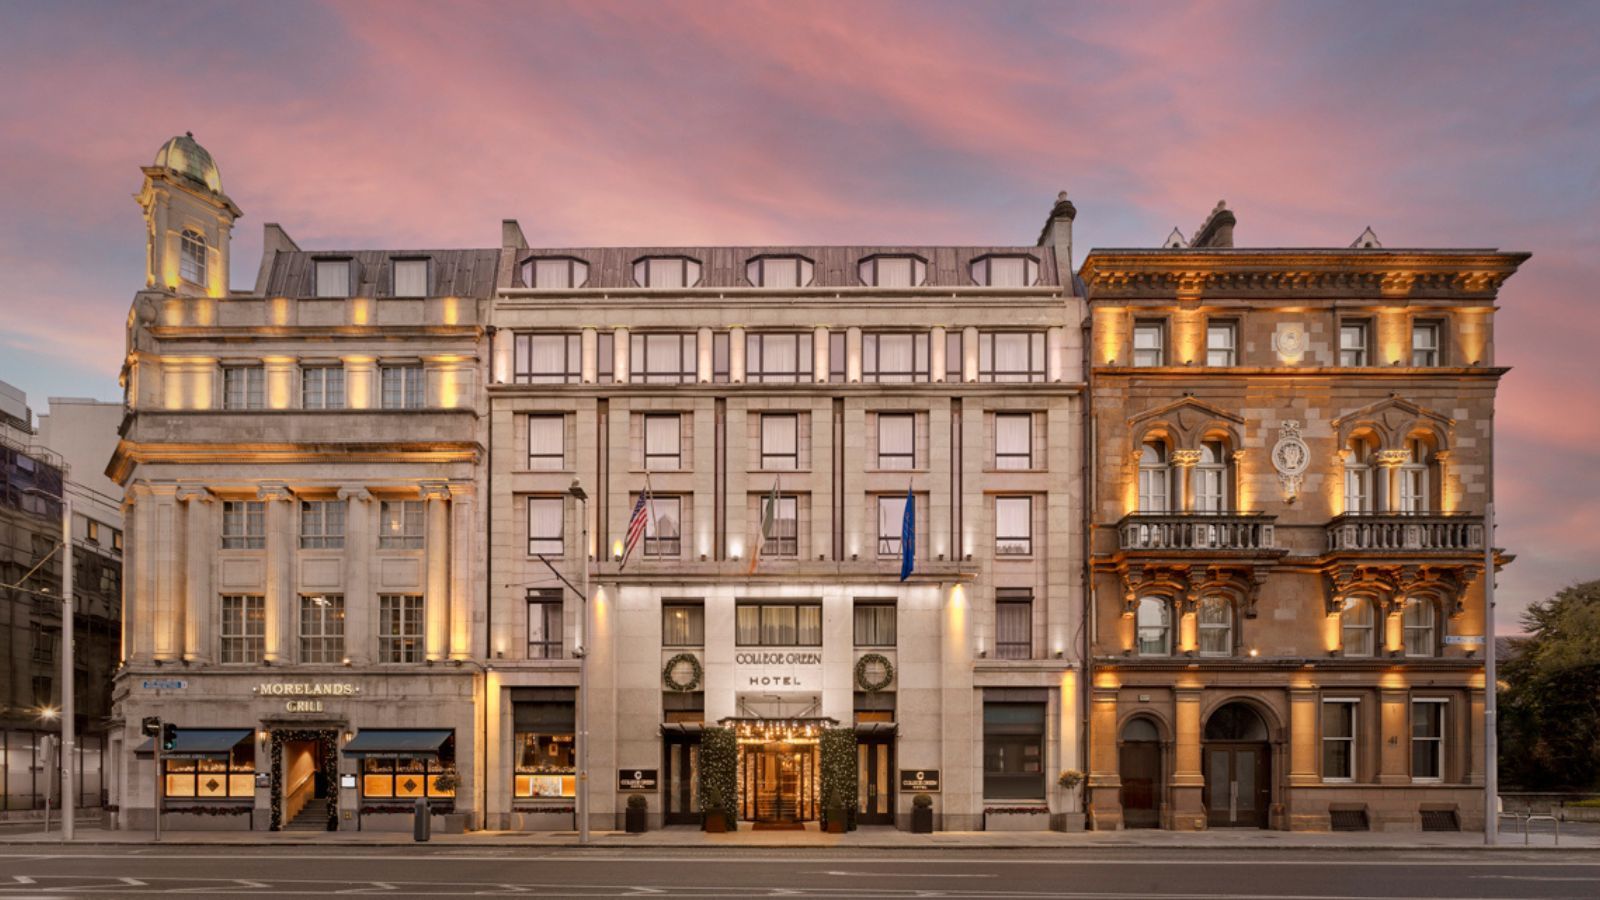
636	523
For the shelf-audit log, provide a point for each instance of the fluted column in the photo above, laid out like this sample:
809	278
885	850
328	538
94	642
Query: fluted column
436	602
200	545
359	602
936	357
462	549
280	598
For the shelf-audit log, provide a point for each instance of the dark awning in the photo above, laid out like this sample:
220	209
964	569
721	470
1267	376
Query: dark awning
200	742
682	727
875	728
386	742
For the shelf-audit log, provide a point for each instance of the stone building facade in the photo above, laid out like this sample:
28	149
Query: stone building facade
1293	451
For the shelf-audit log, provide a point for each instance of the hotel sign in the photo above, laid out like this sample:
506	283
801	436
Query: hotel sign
638	779
924	781
306	696
793	670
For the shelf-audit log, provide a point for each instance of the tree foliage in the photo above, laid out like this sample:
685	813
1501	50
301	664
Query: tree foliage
719	773
1550	696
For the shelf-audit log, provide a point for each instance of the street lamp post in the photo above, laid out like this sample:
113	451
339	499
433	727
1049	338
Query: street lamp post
582	805
68	689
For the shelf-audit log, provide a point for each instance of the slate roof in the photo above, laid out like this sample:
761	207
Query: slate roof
452	273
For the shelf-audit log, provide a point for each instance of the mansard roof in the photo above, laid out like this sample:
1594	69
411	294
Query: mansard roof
452	273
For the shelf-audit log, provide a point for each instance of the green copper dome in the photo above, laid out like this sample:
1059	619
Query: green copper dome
185	156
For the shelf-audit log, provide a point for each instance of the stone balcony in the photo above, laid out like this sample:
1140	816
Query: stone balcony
1214	532
1430	533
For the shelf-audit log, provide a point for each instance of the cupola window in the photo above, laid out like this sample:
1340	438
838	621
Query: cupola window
192	257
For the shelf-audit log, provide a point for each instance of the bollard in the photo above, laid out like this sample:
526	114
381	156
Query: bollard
420	823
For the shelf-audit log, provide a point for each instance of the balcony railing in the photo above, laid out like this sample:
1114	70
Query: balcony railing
1228	531
1405	532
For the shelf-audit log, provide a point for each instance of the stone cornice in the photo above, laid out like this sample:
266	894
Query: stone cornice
1297	274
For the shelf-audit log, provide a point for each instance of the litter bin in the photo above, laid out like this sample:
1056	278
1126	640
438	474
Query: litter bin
420	824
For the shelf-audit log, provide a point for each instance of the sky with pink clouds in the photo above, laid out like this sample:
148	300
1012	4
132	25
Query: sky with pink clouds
424	124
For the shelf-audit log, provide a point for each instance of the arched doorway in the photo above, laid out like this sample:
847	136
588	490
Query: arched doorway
1140	772
1237	761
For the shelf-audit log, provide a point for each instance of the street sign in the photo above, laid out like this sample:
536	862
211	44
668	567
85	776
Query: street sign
925	781
1463	639
163	684
637	779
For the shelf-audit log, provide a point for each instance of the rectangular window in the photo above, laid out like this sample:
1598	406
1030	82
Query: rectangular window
1013	440
1222	343
333	278
322	524
1149	344
721	357
778	624
218	776
400	628
321	628
1013	526
1013	623
666	272
897	441
402	386
891	518
1427	740
244	525
783	539
663	528
663	448
116	541
894	358
778	357
1425	343
1011	356
400	525
605	351
558	274
402	778
837	353
662	358
954	360
544	623
1338	740
780	441
893	271
1353	343
547	359
547	442
1013	751
545	519
243	628
546	763
91	531
244	387
322	387
874	623
410	278
683	625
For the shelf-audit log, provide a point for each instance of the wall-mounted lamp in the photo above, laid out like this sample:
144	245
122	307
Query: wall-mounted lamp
1254	652
349	736
854	557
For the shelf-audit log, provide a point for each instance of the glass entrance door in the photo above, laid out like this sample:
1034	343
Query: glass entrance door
779	782
680	785
874	782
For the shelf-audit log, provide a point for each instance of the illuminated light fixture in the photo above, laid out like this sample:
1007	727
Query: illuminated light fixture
1254	652
347	660
49	712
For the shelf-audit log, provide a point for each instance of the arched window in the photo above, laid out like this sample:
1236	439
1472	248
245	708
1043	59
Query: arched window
1211	478
1418	623
1140	729
1358	468
1356	626
1414	477
1154	620
1155	477
1215	620
192	257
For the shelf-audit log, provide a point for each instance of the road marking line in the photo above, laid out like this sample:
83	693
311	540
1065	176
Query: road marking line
910	875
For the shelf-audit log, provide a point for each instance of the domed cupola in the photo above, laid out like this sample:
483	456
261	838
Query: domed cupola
188	221
184	156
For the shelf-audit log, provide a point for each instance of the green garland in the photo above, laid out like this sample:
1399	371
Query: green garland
838	746
719	773
672	684
872	687
329	764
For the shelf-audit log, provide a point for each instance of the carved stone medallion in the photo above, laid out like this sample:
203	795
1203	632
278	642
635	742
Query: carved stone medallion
1290	456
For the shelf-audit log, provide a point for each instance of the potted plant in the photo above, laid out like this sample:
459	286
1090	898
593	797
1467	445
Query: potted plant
922	814
837	747
1073	818
835	820
719	779
638	814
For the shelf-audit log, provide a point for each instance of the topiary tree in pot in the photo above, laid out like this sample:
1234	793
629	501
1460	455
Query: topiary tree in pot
719	779
838	746
638	814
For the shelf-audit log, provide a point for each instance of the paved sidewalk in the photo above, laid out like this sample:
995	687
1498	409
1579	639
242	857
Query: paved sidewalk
877	838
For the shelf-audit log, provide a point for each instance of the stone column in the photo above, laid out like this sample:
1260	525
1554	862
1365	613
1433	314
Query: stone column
969	354
462	548
436	601
1304	708
820	361
361	382
162	558
852	355
589	368
936	358
280	598
1188	811
359	601
200	545
1055	353
1388	488
619	356
702	347
502	356
1183	463
737	364
142	544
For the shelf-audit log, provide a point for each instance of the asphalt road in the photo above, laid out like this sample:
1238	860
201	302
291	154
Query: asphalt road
526	872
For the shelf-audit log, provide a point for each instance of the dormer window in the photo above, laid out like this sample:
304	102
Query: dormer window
893	271
779	271
666	272
192	256
1005	271
561	273
410	278
333	278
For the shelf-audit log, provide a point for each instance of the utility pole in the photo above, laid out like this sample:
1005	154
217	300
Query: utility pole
1491	692
69	710
582	804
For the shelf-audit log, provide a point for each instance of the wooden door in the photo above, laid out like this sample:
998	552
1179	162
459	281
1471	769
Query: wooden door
1140	771
1238	791
680	782
875	782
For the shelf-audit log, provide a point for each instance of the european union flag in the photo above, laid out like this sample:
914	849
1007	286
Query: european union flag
908	536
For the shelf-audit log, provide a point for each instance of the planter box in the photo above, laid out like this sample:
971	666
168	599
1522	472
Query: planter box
922	820
199	822
716	823
638	820
542	820
1074	821
1016	821
439	823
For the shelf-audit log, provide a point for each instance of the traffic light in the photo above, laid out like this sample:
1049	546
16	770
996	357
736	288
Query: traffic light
151	726
169	737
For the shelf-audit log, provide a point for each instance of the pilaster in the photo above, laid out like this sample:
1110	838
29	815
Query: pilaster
436	602
359	601
200	542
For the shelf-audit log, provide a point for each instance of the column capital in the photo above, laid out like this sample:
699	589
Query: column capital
435	490
274	490
461	489
355	492
1391	459
1184	458
196	493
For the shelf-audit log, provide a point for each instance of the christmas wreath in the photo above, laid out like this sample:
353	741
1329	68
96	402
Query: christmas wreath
865	681
696	671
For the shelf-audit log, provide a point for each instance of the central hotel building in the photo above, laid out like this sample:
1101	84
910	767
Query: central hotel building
366	499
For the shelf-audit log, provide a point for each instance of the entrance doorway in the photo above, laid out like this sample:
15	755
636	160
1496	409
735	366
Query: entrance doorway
305	780
779	782
680	783
1140	771
1237	762
875	781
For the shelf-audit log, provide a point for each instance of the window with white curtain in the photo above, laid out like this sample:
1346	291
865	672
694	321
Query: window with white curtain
779	271
1358	473
658	358
244	525
1149	344
663	450
1214	621
545	520
244	387
333	278
1211	478
893	271
1013	526
780	441
1222	339
555	274
402	385
322	387
192	257
322	524
1414	477
1016	356
778	357
683	624
410	278
1417	622
547	358
1425	346
1155	477
1356	631
666	272
1339	739
1005	271
1013	440
1153	622
1354	343
894	358
777	624
547	445
897	441
1013	623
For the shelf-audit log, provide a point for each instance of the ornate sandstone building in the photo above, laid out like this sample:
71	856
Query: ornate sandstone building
1292	452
